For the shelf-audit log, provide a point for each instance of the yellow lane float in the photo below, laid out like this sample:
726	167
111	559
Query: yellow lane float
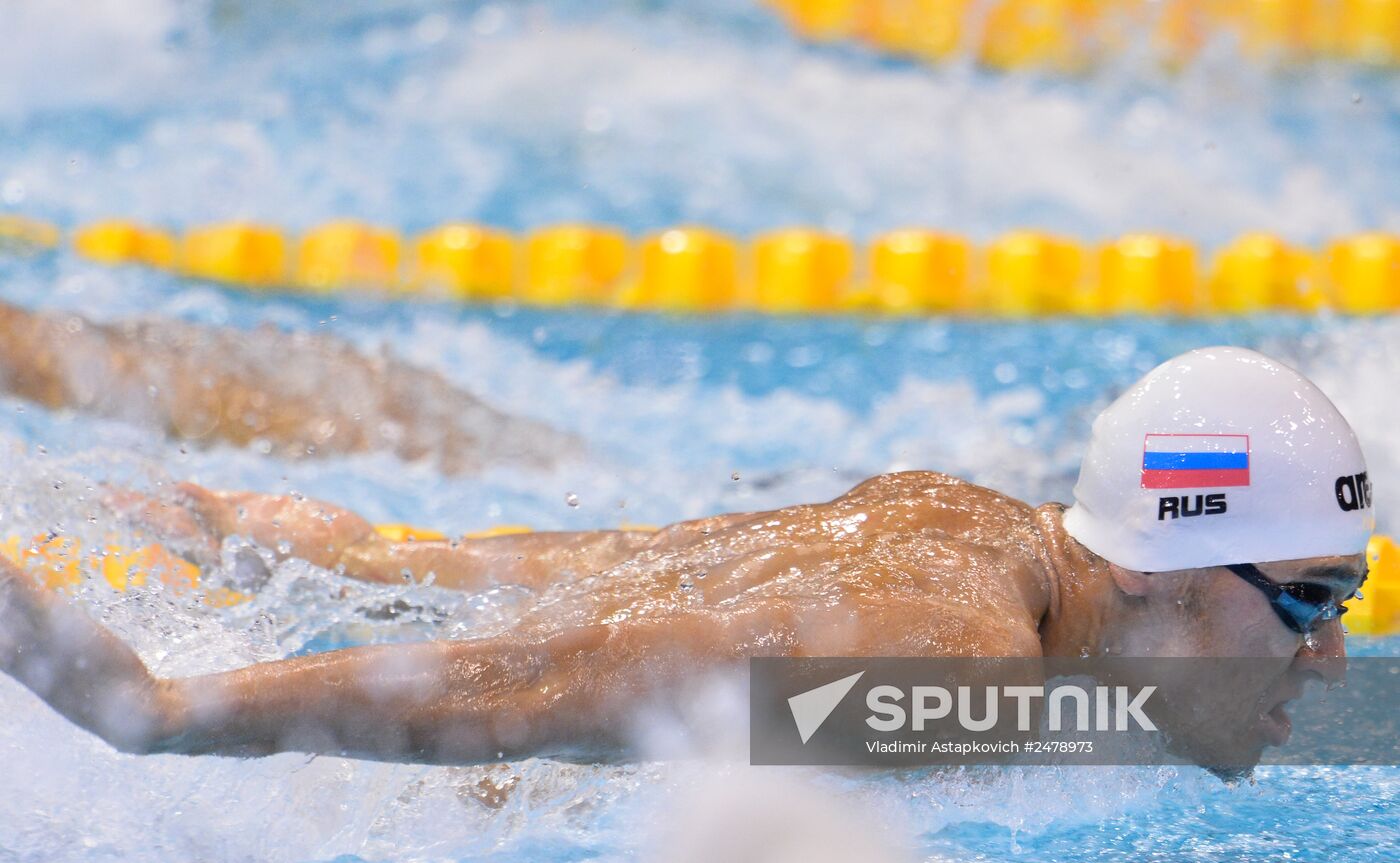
23	235
61	562
917	272
801	269
1031	273
821	20
1147	274
1368	31
238	252
1260	272
929	30
1048	33
1364	273
121	241
686	269
466	261
500	530
408	533
690	269
347	254
568	264
1070	35
1378	611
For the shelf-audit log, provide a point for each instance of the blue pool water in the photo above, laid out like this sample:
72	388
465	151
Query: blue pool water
644	114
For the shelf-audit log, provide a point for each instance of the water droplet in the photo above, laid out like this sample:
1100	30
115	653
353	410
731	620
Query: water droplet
1356	98
284	547
571	499
734	476
407	575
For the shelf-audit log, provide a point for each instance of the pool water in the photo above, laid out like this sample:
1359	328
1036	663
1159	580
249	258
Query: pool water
642	115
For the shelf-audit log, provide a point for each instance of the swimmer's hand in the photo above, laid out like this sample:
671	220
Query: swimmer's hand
78	667
171	518
195	520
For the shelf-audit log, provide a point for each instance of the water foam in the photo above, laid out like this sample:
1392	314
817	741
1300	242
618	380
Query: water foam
417	117
64	54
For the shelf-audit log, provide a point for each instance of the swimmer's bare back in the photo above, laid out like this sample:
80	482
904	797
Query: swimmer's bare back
301	394
904	564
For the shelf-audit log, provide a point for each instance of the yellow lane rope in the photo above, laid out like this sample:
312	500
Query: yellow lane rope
793	270
1071	35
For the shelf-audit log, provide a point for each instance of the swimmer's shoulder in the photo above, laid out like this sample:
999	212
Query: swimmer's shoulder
939	488
905	482
981	519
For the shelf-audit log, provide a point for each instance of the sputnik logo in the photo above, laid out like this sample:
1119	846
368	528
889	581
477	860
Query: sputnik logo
811	708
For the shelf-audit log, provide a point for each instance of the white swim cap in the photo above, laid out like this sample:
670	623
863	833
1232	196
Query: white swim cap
1220	456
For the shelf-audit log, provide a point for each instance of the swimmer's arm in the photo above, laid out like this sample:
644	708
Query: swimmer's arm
533	559
82	670
573	694
583	693
579	693
445	702
196	520
335	538
31	365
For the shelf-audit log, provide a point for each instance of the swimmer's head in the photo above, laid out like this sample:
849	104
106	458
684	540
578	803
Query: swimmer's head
1231	499
1221	456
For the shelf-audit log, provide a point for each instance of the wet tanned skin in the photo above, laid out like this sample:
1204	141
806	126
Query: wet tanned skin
910	564
208	384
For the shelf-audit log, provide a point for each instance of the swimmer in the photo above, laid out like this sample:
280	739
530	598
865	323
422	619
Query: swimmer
299	394
1209	519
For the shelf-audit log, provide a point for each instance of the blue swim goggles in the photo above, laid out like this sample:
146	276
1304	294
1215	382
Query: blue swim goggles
1302	606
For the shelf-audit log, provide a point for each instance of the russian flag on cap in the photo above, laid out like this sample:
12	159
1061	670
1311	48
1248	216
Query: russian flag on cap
1195	460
